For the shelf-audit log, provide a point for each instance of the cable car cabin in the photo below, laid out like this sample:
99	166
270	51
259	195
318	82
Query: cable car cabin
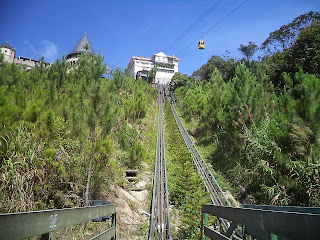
201	44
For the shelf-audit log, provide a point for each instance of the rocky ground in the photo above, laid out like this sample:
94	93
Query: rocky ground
132	221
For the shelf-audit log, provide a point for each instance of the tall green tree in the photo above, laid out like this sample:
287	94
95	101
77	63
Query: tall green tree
178	80
306	50
303	54
90	70
225	67
286	36
248	50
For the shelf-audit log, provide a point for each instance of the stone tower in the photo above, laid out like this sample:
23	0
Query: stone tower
72	57
8	52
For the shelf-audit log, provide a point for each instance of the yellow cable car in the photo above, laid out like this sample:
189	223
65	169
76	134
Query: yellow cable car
201	44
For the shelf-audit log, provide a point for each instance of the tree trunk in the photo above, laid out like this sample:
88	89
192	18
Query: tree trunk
87	202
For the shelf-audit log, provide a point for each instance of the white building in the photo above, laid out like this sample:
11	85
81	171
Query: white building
166	67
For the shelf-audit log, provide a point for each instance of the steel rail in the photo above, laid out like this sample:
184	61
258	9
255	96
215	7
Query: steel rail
151	229
160	217
215	192
202	167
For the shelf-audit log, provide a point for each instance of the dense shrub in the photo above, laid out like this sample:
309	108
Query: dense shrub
268	144
55	121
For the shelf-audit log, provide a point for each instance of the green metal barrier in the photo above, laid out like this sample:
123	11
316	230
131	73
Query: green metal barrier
265	222
30	224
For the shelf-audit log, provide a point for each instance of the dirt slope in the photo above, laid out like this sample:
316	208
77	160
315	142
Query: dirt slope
132	223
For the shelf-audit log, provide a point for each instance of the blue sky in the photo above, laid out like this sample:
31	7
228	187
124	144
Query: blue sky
121	29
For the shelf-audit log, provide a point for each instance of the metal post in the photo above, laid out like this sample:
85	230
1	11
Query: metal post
114	224
201	227
244	236
206	222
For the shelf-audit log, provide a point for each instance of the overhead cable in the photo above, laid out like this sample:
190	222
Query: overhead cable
235	9
193	25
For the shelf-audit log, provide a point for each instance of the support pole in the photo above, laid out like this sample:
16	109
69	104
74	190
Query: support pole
206	222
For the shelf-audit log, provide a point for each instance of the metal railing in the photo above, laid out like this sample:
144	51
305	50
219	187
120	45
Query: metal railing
24	225
264	222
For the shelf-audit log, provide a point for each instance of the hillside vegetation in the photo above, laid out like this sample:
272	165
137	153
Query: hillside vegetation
261	118
67	134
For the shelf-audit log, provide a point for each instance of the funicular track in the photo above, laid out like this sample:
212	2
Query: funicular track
160	218
216	194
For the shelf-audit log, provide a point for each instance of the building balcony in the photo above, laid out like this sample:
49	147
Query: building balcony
164	65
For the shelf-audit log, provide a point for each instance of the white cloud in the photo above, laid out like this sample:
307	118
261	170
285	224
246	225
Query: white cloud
49	50
46	48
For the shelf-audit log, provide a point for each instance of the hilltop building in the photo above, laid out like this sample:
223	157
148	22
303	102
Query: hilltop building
9	54
83	45
166	67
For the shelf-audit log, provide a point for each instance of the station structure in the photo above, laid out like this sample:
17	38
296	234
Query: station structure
158	69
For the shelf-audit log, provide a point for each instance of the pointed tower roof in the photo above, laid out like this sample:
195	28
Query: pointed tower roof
79	48
7	45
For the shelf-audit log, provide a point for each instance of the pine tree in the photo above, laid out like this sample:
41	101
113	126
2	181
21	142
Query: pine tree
89	70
